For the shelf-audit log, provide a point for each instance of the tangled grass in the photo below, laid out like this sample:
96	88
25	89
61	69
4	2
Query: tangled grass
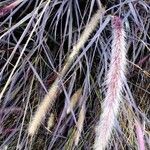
61	50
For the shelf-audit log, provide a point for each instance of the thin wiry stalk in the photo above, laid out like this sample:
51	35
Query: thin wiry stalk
52	93
22	52
115	78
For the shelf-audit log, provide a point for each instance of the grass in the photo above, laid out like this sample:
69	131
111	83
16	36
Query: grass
114	84
67	45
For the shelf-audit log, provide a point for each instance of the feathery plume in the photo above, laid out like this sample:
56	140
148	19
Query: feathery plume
50	97
140	135
42	109
114	83
80	123
74	100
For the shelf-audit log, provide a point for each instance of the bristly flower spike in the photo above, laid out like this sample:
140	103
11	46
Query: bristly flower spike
114	84
51	96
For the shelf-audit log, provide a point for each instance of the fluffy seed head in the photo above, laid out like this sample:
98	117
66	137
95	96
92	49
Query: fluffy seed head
114	83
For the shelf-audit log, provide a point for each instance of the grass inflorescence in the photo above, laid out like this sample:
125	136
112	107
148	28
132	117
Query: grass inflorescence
74	74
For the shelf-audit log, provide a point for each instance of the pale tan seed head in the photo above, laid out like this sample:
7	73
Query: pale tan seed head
51	121
80	124
42	109
74	100
50	98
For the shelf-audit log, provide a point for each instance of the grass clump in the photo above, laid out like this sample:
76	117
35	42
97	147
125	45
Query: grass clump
52	49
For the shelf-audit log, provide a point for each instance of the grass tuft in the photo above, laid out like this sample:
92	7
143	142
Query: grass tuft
49	49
